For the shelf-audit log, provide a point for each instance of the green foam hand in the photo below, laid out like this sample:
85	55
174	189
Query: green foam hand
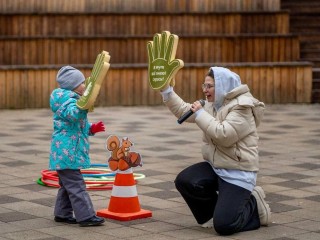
93	83
162	63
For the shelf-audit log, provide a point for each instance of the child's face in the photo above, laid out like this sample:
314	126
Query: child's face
80	89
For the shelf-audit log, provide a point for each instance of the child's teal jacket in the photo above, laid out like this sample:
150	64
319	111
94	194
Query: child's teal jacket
71	130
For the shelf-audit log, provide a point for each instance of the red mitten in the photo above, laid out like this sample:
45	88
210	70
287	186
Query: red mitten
97	127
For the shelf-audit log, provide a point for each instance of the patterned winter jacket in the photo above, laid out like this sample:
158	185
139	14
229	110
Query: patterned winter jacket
71	130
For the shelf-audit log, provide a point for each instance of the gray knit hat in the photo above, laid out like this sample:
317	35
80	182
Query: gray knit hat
69	77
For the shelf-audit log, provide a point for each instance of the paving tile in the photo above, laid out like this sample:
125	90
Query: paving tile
14	216
33	223
176	157
155	236
283	238
8	199
295	184
27	235
32	152
302	203
158	227
314	198
63	230
50	202
309	236
277	197
88	235
283	218
189	233
163	185
158	149
306	225
291	175
163	194
125	232
280	207
151	172
309	166
15	163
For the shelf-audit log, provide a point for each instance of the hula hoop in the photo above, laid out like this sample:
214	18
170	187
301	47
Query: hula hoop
97	177
39	181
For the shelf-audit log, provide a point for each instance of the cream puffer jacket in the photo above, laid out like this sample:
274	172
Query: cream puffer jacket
230	135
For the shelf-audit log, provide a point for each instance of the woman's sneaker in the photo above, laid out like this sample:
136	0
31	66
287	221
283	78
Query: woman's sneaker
208	224
263	208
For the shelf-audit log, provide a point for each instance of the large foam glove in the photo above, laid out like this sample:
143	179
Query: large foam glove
97	127
162	63
93	83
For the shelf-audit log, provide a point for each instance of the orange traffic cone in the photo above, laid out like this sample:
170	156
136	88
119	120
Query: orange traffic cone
124	202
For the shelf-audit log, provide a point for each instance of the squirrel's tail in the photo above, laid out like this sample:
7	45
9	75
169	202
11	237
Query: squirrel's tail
112	143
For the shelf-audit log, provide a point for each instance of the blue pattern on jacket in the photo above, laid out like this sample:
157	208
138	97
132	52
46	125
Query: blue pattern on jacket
71	130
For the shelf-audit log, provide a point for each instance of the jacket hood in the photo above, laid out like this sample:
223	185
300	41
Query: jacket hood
225	81
59	96
245	99
258	112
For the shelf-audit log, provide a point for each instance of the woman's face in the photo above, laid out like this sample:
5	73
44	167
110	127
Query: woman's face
208	88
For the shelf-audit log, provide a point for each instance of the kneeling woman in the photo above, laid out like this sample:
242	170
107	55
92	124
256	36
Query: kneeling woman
221	191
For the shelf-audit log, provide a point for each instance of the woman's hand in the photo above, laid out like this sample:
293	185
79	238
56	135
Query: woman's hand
196	106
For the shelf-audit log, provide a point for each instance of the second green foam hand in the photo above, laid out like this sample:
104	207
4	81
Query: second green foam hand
162	63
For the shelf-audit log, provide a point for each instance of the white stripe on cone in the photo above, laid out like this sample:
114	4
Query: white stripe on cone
128	171
124	191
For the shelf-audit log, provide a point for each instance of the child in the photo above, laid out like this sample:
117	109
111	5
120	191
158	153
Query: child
70	149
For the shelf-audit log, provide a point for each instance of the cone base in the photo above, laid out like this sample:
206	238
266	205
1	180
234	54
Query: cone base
124	216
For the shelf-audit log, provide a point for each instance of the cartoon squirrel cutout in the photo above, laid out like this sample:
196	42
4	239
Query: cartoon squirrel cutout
121	156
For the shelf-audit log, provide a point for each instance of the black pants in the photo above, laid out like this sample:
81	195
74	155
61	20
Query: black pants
72	196
233	208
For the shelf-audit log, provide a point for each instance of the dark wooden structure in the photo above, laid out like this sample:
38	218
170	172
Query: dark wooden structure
304	22
252	37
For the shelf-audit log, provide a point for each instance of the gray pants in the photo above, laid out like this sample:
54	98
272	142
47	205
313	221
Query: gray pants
73	197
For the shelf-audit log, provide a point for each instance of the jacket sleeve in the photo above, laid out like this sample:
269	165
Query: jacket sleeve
178	107
236	125
69	111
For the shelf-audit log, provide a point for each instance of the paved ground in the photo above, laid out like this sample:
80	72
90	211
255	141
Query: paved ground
290	175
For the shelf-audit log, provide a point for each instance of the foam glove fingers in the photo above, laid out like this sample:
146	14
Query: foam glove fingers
163	66
97	127
94	82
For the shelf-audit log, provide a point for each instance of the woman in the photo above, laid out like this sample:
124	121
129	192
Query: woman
221	191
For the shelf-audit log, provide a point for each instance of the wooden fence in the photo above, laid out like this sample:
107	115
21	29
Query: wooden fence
58	6
28	87
249	36
30	25
260	48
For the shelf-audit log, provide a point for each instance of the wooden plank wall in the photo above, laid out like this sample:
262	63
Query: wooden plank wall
36	51
27	87
71	25
249	36
105	6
